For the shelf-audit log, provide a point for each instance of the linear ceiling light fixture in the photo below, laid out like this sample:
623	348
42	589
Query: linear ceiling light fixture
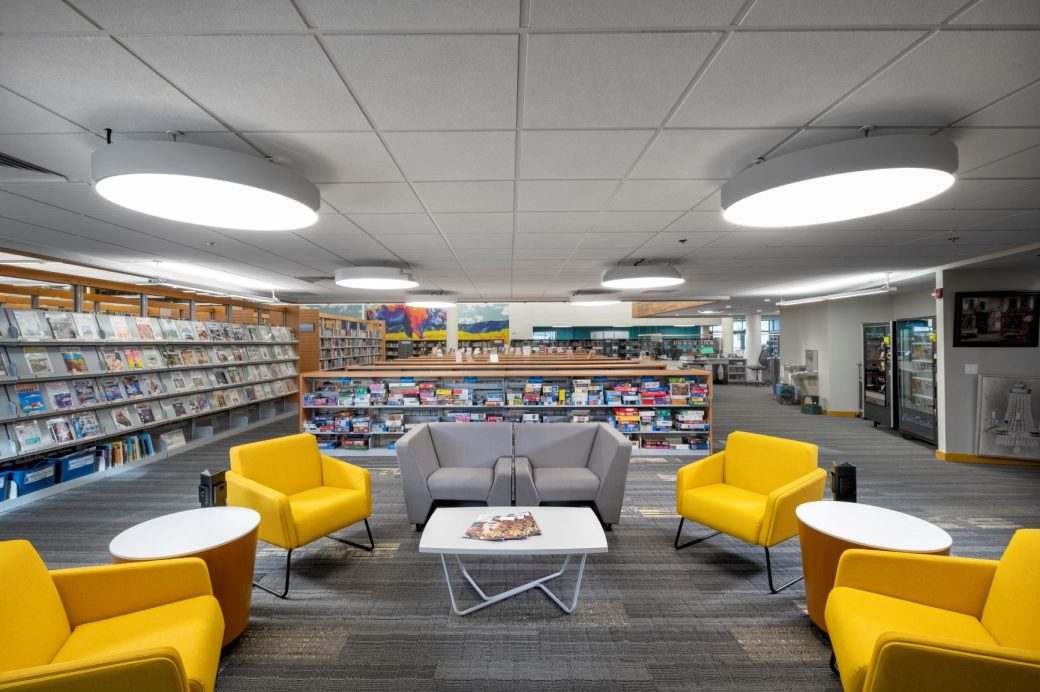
594	299
204	185
838	296
840	181
429	300
375	278
641	275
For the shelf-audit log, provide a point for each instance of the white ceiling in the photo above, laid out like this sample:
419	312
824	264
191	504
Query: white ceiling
514	149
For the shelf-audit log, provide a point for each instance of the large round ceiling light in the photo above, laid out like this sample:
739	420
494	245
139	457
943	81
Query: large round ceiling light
429	300
840	181
375	278
641	276
204	185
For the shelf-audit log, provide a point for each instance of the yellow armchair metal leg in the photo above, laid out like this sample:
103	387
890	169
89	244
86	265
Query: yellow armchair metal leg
695	540
769	575
371	543
285	591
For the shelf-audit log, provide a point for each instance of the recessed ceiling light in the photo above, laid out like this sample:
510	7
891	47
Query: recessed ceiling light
375	278
594	299
729	306
768	300
841	180
642	276
429	300
204	185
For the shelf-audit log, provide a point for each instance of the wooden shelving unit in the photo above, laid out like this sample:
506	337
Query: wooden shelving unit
335	342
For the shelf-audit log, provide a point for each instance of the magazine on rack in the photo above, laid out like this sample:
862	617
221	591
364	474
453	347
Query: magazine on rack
38	360
29	326
75	363
60	396
86	326
61	325
503	527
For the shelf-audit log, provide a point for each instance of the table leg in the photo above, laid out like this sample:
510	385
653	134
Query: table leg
537	583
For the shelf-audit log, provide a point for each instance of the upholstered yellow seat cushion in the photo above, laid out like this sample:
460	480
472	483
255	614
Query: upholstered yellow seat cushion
194	627
323	510
856	620
726	508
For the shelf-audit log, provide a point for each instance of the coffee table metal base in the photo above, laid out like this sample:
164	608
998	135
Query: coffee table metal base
535	584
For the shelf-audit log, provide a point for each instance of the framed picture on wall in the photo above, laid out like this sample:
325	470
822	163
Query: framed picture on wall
996	318
1007	417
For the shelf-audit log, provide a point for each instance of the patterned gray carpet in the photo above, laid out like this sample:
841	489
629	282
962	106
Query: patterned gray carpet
648	619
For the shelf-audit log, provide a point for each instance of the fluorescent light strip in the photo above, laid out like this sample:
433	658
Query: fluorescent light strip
838	296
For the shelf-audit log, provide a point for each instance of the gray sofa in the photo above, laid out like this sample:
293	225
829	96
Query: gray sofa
475	462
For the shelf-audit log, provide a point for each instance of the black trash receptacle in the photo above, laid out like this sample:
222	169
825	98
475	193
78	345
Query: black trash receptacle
843	482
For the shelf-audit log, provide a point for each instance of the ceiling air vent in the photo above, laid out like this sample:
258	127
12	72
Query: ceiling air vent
14	170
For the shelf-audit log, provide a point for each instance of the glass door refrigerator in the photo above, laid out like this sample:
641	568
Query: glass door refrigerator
877	364
915	378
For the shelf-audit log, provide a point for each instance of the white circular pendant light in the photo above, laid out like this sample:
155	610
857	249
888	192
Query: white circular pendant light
375	278
642	276
429	300
204	185
840	181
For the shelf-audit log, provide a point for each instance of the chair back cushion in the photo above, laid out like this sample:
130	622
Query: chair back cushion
761	464
34	624
471	444
1012	612
288	464
555	445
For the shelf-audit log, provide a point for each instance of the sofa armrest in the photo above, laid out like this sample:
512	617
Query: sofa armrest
342	474
706	471
96	593
611	452
523	477
155	669
501	494
276	522
780	522
417	460
903	661
959	584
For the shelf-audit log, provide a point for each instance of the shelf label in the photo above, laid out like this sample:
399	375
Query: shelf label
468	380
535	380
407	380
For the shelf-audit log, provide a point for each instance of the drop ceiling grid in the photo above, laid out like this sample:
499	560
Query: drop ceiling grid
468	199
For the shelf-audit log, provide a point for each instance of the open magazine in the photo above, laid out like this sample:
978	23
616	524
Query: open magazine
503	527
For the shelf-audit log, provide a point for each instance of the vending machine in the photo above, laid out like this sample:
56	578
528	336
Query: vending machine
915	378
877	366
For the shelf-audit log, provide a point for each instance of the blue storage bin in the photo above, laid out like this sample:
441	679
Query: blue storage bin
29	479
3	485
75	465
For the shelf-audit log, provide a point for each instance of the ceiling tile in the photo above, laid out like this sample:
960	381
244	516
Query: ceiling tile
620	241
564	195
18	116
548	240
579	154
483	254
555	221
377	198
624	14
671	240
755	238
1021	109
1027	221
162	16
431	82
542	254
952	219
382	15
40	15
978	147
463	197
331	225
706	153
1022	197
265	84
818	136
65	154
407	241
652	195
609	80
395	224
96	83
699	221
767	79
491	223
330	157
1024	164
989	237
634	221
1002	12
921	89
826	236
980	194
501	241
454	155
838	12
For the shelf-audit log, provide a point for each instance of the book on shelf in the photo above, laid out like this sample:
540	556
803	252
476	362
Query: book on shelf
113	360
62	326
75	363
145	329
28	322
86	326
60	430
86	393
503	527
60	396
28	435
38	360
30	399
85	424
173	439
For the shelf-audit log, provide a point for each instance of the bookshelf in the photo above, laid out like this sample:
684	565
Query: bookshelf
335	342
406	348
363	413
129	388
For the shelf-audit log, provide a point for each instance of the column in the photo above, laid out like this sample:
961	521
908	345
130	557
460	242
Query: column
727	335
452	319
753	338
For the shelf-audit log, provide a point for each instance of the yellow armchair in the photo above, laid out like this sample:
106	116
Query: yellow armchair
902	621
136	626
301	494
750	491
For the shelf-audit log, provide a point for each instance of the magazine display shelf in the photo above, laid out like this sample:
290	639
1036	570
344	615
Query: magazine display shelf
652	407
132	388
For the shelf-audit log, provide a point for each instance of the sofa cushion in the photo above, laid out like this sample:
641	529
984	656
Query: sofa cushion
461	483
193	627
855	620
471	444
556	445
320	511
565	485
726	508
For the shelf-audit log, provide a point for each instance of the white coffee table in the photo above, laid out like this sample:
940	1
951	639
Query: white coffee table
567	531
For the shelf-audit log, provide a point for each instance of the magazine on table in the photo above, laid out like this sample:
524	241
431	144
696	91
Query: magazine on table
503	527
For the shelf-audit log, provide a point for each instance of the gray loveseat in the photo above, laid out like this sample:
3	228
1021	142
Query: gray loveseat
584	463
